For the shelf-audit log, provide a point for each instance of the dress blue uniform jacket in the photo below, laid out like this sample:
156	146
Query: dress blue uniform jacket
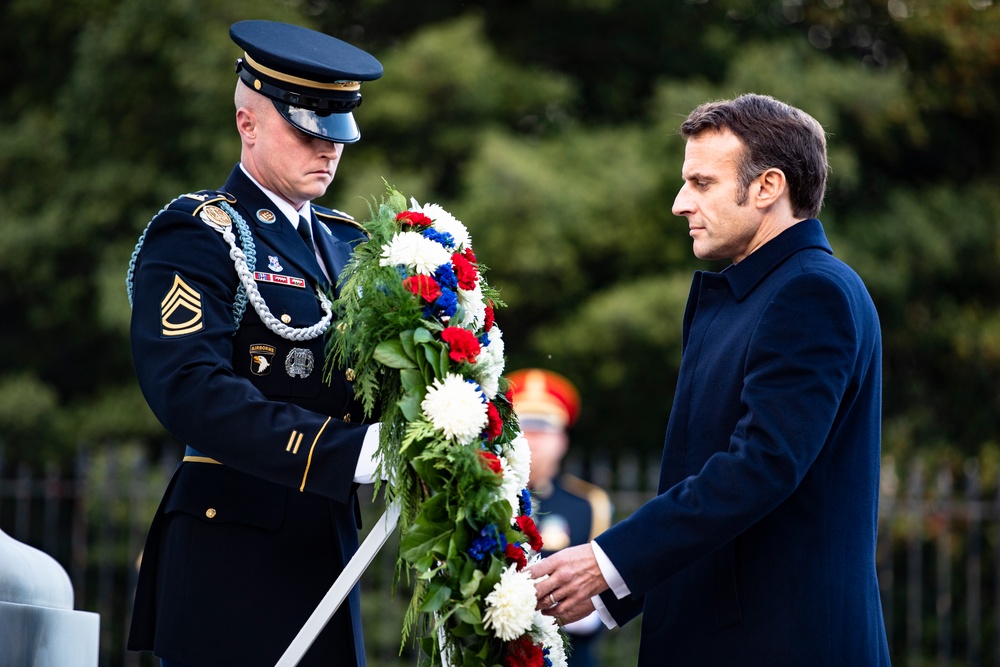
258	522
759	548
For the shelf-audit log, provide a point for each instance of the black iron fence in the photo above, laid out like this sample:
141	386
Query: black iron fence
938	553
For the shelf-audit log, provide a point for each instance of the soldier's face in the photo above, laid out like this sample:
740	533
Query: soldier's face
547	450
289	162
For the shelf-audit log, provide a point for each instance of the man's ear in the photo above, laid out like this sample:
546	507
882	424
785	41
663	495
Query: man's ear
246	124
772	186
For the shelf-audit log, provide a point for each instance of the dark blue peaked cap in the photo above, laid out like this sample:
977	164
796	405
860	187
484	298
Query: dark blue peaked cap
313	79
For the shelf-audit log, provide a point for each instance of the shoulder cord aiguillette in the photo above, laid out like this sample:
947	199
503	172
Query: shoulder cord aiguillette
247	289
248	283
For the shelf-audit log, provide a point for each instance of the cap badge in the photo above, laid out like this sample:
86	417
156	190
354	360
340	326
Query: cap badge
299	363
215	217
266	216
274	264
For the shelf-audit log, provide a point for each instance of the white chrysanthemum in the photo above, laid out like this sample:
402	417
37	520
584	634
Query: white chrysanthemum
518	455
445	223
415	252
545	631
510	487
490	363
473	307
456	408
510	607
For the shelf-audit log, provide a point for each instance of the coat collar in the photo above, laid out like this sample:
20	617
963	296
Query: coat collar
274	229
746	275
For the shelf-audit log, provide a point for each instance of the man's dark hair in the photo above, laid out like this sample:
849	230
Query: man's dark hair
774	135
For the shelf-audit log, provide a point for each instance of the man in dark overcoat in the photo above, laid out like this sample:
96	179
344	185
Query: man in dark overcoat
759	548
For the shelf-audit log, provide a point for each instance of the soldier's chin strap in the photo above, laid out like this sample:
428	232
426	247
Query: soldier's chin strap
341	588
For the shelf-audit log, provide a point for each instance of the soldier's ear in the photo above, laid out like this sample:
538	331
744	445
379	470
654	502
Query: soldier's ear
246	124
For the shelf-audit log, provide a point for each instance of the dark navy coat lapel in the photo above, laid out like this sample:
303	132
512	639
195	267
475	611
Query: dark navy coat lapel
335	244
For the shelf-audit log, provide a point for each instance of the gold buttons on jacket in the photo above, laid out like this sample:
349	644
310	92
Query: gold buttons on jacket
347	417
210	512
286	318
349	375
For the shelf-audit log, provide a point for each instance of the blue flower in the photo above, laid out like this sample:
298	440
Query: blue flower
445	306
484	340
444	238
445	276
525	502
489	540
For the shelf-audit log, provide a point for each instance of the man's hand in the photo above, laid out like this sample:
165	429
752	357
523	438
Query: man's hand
565	582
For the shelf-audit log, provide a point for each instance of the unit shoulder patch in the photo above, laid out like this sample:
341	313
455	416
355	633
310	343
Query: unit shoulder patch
193	202
181	310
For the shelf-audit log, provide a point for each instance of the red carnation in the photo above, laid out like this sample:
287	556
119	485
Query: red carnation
469	255
414	219
494	425
492	462
488	323
464	271
530	531
515	554
463	344
423	286
523	652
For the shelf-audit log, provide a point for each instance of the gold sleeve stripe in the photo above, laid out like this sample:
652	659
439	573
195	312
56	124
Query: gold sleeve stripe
293	442
201	459
310	459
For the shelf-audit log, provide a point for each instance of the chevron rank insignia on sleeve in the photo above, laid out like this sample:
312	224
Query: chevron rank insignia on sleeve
181	311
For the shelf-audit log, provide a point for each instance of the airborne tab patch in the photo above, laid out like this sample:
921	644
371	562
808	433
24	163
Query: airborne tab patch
180	311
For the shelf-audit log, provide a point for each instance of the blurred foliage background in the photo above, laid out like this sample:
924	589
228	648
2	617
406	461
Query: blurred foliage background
549	128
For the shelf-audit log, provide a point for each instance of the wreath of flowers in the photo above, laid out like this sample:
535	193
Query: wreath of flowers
416	323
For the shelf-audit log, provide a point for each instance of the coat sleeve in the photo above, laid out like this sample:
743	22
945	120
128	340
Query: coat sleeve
182	345
800	359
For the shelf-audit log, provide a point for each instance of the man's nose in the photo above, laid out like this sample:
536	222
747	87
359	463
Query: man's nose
682	203
327	149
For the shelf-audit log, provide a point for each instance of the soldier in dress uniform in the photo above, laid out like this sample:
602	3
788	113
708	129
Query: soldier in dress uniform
568	510
230	290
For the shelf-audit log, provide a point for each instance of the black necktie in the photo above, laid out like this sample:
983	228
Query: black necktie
305	232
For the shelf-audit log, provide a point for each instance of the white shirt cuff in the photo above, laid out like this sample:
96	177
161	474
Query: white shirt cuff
610	572
603	613
367	468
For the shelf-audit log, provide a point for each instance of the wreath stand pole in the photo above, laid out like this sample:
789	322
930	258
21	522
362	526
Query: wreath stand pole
341	588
